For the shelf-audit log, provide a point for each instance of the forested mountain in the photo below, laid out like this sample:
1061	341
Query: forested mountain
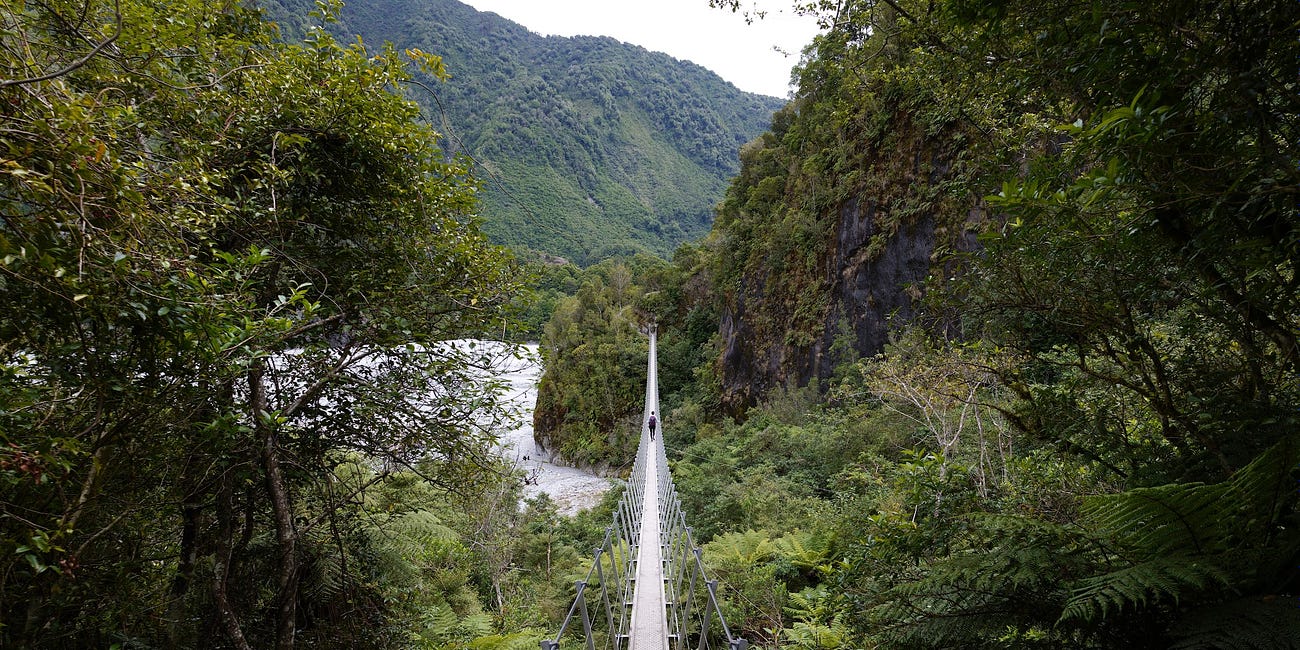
589	147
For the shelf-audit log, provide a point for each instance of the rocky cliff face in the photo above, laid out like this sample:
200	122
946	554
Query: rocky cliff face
881	246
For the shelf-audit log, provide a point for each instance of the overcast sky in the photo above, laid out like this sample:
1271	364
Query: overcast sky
686	29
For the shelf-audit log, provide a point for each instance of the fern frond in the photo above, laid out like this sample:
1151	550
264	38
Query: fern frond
1198	518
1158	519
803	549
1161	579
739	549
324	578
418	529
973	598
439	622
403	545
475	625
808	636
810	605
1184	541
323	572
521	640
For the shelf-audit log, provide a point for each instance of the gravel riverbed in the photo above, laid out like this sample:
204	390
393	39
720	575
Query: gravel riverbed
571	488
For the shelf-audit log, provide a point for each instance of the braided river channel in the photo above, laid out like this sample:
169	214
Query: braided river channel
572	489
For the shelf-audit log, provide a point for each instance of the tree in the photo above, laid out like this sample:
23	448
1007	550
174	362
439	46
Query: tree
1153	255
589	399
1139	284
1135	292
235	258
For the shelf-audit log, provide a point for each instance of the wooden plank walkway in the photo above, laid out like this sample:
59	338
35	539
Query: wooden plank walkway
649	622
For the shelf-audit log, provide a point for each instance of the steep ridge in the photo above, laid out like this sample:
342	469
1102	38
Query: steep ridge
825	248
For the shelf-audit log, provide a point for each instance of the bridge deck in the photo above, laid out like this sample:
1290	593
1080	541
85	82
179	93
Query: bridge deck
649	628
649	622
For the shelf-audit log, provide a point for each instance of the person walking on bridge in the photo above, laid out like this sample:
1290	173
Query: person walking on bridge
652	422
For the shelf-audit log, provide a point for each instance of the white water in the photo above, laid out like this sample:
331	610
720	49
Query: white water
572	489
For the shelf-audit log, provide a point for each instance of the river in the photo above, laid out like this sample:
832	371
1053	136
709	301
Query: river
572	489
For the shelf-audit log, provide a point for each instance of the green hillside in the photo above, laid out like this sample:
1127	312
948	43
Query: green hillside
588	147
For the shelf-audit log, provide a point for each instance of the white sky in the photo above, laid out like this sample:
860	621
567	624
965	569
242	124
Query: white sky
686	29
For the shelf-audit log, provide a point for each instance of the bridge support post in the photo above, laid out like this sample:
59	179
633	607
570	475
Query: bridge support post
604	589
705	619
586	619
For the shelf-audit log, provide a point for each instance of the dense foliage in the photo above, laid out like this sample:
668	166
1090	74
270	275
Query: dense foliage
588	147
231	408
1082	432
589	402
594	351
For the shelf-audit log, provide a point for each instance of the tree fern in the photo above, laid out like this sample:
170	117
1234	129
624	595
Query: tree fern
803	549
442	627
814	636
324	574
437	623
475	625
1008	576
812	604
419	528
739	549
440	621
402	546
1188	542
1201	518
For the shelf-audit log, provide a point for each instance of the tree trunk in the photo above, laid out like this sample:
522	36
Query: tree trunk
184	573
282	509
221	566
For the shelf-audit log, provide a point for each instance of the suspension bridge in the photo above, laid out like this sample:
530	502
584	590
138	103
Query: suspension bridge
647	588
